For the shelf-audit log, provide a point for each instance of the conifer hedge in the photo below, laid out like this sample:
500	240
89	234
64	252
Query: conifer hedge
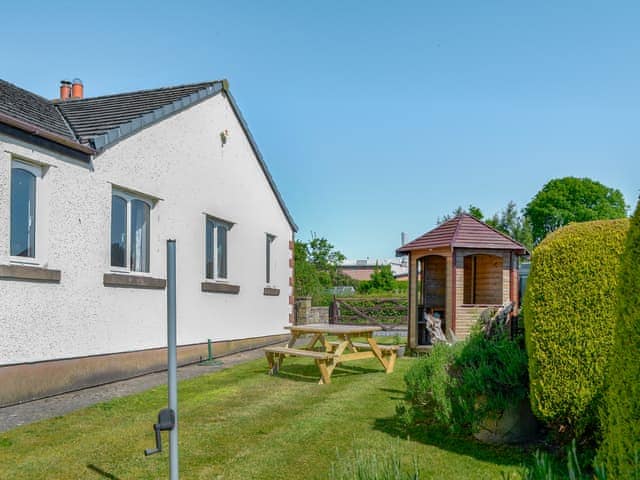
621	413
569	310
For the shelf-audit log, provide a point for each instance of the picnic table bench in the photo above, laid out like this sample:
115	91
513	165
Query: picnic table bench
333	353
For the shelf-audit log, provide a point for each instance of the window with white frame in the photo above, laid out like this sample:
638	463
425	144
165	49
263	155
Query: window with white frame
216	248
24	185
270	239
130	232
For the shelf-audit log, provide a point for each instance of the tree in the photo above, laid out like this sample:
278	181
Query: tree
471	210
511	223
306	278
326	259
382	280
316	266
570	199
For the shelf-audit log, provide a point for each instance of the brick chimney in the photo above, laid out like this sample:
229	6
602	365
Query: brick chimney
77	89
65	89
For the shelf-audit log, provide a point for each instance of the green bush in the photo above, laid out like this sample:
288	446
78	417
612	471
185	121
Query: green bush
428	386
569	311
458	387
621	412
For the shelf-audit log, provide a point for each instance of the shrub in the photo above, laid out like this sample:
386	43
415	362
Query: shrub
621	412
491	376
569	308
428	384
459	387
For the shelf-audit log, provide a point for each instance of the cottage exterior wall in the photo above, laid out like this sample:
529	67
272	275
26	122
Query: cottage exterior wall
182	163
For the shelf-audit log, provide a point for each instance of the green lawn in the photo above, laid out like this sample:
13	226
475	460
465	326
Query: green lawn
241	423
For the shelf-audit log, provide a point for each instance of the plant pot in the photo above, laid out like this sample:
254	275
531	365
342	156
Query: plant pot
516	425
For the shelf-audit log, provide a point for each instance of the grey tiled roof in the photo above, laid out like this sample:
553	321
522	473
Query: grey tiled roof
114	116
28	107
94	124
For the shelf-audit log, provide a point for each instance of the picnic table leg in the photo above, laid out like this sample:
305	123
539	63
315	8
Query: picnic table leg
313	341
274	361
292	340
325	373
337	352
378	353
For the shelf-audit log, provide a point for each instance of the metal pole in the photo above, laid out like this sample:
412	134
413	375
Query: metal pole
172	356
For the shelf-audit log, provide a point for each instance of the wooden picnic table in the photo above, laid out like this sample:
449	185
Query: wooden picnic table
329	354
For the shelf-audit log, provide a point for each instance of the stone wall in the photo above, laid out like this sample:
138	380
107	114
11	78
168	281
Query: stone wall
306	314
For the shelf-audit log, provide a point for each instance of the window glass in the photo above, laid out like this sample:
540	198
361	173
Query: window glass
140	215
23	213
118	231
216	249
270	239
221	249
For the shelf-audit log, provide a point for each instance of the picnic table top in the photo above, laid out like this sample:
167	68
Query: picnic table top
333	329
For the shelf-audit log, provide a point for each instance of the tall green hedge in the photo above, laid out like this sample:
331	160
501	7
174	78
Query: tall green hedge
569	310
621	413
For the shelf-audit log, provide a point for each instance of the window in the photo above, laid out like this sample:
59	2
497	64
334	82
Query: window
270	239
130	232
216	239
24	180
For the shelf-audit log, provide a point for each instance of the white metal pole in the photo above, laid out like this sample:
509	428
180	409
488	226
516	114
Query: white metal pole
172	356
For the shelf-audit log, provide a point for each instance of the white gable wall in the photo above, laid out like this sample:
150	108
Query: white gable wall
180	161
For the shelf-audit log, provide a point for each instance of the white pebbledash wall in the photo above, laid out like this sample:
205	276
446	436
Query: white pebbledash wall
182	163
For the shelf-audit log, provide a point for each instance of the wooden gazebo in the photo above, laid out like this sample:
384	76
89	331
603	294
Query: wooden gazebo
459	269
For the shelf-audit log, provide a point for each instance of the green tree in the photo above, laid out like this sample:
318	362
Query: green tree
382	280
306	277
326	260
471	210
570	199
511	223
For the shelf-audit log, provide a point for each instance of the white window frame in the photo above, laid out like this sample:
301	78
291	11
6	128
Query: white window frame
128	197
217	222
38	171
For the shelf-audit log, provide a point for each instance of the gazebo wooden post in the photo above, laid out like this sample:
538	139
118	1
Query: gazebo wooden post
412	323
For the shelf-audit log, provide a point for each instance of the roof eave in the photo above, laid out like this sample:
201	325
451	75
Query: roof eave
39	132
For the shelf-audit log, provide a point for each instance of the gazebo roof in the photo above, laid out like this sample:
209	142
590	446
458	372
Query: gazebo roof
464	231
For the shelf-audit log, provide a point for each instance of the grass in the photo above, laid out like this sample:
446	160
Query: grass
240	423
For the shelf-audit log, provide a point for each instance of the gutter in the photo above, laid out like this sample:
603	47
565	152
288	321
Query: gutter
54	137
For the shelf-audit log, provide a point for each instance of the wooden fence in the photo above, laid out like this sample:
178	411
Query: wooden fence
382	311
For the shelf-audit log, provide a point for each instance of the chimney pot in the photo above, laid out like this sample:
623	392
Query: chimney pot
77	89
65	89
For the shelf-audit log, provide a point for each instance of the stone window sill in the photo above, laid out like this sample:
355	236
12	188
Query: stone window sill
133	281
214	287
271	292
31	273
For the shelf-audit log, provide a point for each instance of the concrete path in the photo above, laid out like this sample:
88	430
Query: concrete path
25	413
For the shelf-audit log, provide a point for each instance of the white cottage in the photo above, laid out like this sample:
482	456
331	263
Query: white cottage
90	189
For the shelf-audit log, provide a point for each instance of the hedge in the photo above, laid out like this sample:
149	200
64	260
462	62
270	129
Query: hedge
569	311
620	448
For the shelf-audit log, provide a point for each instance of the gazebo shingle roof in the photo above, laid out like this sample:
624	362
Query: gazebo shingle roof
464	231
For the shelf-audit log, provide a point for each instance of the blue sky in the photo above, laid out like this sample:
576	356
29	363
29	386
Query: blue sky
374	117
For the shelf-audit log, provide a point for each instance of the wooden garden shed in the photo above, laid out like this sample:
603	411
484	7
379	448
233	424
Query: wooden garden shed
459	268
